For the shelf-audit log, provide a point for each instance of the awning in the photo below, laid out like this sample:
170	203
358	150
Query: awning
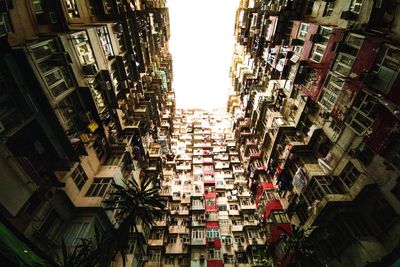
18	251
212	225
277	230
272	205
261	188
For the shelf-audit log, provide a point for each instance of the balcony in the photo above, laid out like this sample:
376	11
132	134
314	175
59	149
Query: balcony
198	206
247	204
178	229
198	223
237	228
198	241
322	190
212	216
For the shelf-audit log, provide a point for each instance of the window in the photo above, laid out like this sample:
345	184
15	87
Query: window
319	48
303	31
181	261
214	254
154	255
197	203
349	174
279	216
169	260
171	239
105	41
253	234
55	74
383	213
210	202
298	49
330	6
157	234
72	8
343	64
83	48
238	239
98	150
223	222
246	202
337	127
226	239
175	207
79	177
363	112
330	92
354	40
233	207
222	207
44	50
74	234
197	234
229	259
99	187
386	69
356	6
212	233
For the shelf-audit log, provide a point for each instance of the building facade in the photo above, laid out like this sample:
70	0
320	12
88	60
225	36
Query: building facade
316	117
309	137
87	102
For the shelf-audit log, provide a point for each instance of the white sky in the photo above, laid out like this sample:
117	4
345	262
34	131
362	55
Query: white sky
201	44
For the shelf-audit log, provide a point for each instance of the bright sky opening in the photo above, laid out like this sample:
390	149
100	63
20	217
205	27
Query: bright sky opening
201	44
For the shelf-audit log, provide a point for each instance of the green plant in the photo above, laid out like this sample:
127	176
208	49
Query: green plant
133	203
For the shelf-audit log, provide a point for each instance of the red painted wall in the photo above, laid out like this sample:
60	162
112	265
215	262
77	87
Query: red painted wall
307	47
215	263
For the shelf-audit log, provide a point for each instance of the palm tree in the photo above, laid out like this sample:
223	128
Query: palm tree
133	203
87	253
300	247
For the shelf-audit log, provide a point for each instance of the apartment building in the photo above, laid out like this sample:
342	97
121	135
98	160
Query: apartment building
210	220
309	137
312	104
86	102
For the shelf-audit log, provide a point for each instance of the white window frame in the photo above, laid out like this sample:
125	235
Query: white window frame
303	30
330	92
198	233
169	260
99	185
154	255
338	63
318	55
358	114
380	67
214	253
172	239
212	233
356	6
79	177
330	6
